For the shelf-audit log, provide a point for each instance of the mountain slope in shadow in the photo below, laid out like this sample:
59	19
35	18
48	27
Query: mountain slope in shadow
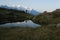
10	15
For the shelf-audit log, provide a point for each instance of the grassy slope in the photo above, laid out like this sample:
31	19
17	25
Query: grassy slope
48	17
42	33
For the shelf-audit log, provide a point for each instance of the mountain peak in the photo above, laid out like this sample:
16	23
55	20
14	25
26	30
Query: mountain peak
22	8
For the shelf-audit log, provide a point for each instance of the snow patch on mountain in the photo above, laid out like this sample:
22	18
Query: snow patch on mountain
22	8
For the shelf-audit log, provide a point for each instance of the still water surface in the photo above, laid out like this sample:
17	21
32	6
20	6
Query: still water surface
29	23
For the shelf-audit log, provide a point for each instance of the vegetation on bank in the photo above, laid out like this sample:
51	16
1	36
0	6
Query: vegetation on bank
41	33
49	21
47	18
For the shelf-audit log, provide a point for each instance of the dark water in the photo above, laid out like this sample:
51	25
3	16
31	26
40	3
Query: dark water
29	23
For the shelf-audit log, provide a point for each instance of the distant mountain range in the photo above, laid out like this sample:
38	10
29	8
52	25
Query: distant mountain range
28	10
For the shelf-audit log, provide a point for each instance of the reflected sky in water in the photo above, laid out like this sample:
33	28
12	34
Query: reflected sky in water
29	23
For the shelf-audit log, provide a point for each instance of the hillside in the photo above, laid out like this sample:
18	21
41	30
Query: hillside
46	18
9	15
21	8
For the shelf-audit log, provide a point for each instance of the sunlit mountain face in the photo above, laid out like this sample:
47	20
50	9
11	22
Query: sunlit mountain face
22	8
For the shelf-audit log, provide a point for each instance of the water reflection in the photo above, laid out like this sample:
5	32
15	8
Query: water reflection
28	23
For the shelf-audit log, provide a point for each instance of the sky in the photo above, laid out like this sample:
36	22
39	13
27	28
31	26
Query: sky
40	5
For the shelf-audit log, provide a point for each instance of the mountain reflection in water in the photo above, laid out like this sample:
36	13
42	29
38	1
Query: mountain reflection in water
28	23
